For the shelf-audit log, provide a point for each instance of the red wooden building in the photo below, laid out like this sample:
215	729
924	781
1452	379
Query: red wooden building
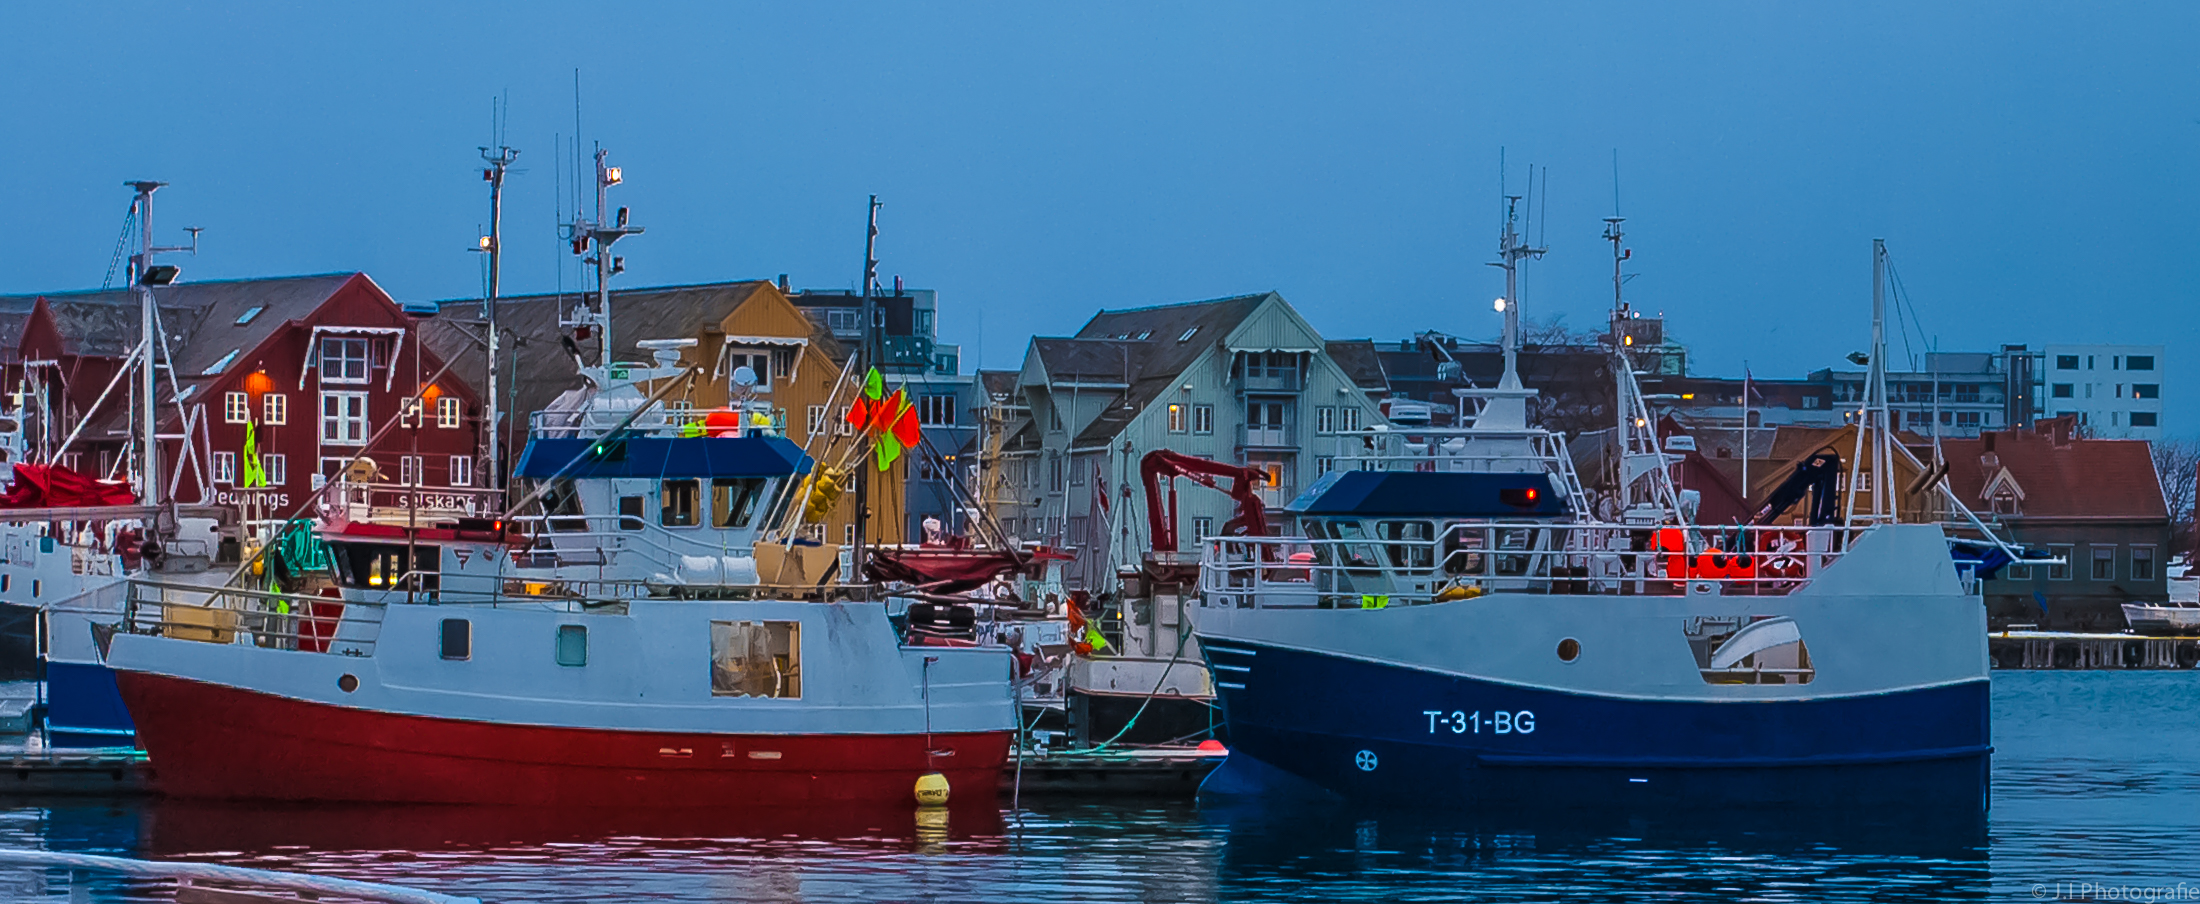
314	365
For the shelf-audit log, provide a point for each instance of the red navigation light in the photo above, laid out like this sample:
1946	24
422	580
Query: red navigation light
1520	497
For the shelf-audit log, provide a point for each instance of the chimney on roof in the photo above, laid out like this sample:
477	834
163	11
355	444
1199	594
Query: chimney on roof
897	284
1986	440
1989	461
782	283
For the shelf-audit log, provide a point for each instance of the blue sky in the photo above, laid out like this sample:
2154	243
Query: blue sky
2032	166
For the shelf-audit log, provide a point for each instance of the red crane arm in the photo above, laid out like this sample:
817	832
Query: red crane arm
1252	514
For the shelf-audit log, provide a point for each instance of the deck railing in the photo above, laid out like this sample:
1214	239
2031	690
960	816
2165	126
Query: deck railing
225	615
1413	564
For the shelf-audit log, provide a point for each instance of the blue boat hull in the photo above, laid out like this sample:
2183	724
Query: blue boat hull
1381	732
84	708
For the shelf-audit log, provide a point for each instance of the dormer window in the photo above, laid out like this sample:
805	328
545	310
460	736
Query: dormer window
2005	503
343	360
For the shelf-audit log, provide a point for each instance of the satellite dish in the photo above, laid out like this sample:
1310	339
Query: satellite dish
744	376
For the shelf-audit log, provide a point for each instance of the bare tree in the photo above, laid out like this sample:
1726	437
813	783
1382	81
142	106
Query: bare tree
2177	461
1553	330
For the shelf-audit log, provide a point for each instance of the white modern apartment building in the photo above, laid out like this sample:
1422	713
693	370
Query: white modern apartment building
2115	390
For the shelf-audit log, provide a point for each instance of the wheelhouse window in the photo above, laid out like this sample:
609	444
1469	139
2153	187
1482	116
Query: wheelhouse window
756	659
343	359
733	501
630	513
679	500
1408	544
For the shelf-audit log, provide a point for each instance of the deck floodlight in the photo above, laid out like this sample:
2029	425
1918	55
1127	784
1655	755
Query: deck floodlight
612	176
1501	306
160	275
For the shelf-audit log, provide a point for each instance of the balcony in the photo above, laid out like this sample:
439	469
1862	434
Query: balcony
1265	436
1270	379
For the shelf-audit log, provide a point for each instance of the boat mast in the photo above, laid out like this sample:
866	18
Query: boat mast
1873	416
866	359
600	235
492	446
1507	407
143	278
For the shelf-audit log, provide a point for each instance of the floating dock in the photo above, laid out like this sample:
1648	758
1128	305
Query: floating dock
2062	650
1173	772
102	773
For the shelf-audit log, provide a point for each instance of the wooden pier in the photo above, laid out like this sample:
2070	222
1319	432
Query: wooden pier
2060	650
95	773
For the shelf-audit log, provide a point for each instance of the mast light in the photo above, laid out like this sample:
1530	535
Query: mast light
1501	306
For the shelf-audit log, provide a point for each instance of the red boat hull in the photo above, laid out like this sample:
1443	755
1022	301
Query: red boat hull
217	742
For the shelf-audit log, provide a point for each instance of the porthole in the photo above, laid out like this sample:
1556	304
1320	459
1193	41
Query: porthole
347	683
1569	650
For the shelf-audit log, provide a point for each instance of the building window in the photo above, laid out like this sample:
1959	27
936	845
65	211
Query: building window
2063	391
1202	528
2066	362
277	467
225	467
408	470
844	320
462	470
2104	563
2144	419
1916	418
275	409
2139	362
936	410
1177	418
2146	390
236	408
757	361
842	426
813	420
1811	401
343	360
2060	571
572	645
1054	472
1967	419
2018	573
1203	419
344	418
679	500
2142	563
1324	464
1348	419
1325	420
447	412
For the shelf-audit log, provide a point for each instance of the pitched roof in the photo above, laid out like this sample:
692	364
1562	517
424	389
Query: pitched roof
2079	478
999	384
538	368
199	317
1360	362
1163	340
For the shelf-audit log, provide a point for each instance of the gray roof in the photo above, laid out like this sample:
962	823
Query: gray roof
1162	342
998	384
200	317
1358	358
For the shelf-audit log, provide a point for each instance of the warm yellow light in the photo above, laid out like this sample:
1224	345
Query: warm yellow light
1639	422
1627	340
611	175
1688	396
485	242
1501	306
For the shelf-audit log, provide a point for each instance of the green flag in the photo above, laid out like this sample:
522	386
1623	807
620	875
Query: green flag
253	474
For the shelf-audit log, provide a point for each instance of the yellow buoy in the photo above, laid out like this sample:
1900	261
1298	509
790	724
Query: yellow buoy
932	789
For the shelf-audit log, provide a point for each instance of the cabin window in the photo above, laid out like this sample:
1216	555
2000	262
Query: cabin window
573	645
561	507
458	638
1407	543
630	513
1463	551
678	500
733	501
756	659
1518	538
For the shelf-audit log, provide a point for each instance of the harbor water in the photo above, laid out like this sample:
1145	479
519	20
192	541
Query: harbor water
2096	796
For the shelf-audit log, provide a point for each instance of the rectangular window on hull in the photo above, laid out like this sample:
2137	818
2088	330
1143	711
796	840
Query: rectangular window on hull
573	645
458	638
756	659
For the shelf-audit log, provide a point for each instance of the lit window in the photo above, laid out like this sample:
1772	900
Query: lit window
236	407
274	409
2146	390
1176	418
